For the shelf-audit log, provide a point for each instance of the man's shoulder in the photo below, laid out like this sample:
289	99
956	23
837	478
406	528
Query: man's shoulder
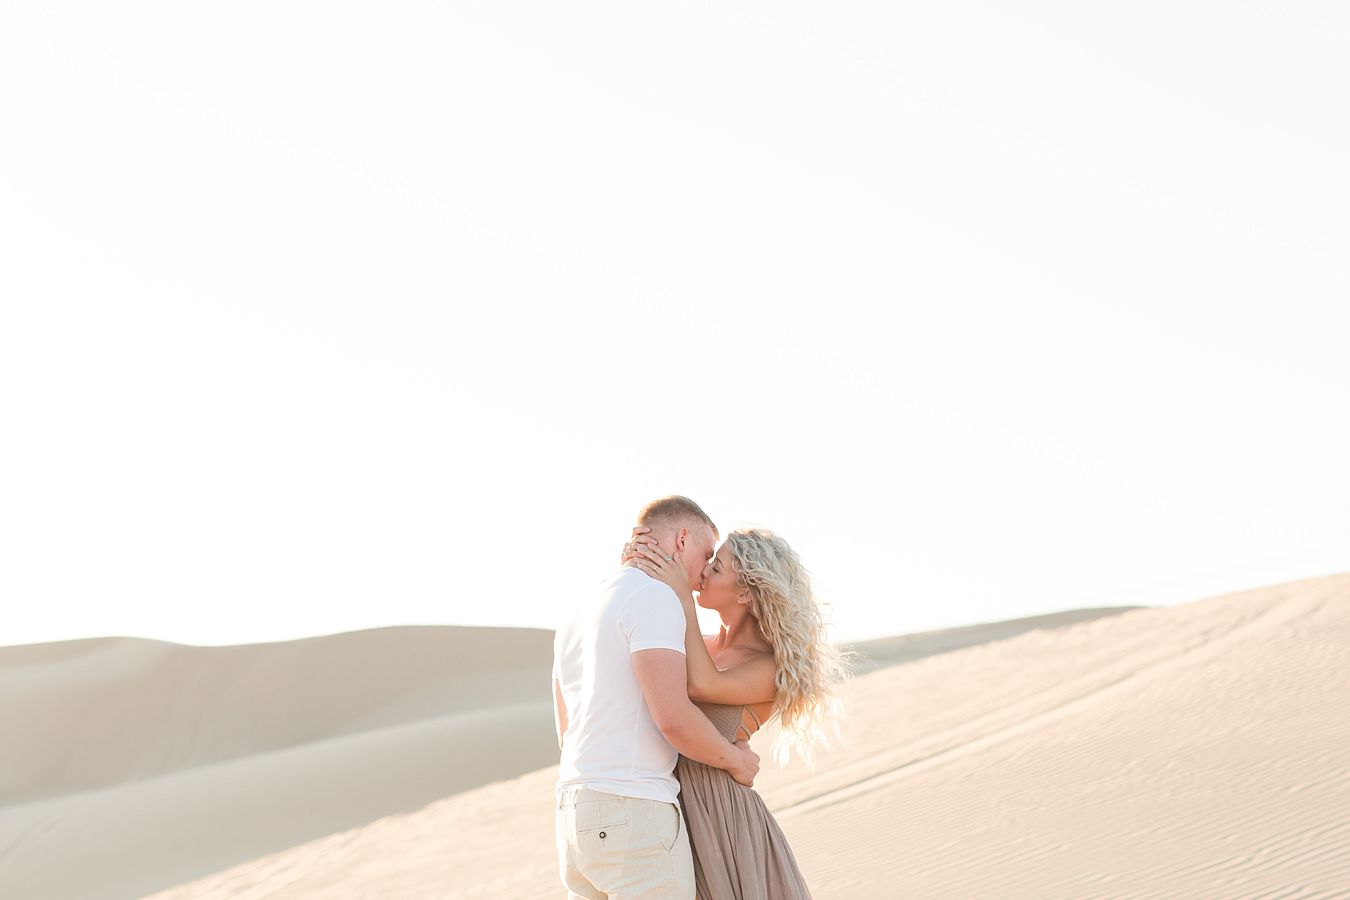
633	582
642	603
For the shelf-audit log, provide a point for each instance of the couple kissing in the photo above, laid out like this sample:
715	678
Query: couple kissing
655	790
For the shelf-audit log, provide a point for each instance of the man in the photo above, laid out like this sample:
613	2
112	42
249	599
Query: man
623	715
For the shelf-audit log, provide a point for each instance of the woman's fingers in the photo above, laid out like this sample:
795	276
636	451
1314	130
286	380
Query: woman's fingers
641	538
649	553
650	560
642	535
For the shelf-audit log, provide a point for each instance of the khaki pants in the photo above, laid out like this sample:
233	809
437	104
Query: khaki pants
616	848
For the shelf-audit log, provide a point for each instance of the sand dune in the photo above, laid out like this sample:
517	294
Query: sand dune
147	764
116	749
1198	750
890	651
1201	750
86	714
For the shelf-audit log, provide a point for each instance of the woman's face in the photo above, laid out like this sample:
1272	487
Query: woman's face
720	588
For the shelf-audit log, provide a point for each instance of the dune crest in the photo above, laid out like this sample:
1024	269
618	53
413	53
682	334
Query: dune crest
1201	750
151	763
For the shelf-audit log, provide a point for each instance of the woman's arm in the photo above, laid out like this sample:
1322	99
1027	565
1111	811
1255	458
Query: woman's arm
749	682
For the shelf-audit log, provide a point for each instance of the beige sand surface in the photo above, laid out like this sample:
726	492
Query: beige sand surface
152	707
1096	755
129	765
132	765
1201	750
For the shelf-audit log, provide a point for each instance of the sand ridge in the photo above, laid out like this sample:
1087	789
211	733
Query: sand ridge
118	748
1201	750
1193	751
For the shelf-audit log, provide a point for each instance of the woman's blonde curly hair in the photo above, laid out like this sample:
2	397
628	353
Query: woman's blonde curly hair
809	667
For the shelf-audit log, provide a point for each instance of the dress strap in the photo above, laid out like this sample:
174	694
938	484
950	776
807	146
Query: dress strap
740	722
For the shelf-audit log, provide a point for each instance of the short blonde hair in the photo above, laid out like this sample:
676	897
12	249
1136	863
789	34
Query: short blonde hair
671	510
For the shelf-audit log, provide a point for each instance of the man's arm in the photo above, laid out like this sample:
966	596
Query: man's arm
559	712
663	679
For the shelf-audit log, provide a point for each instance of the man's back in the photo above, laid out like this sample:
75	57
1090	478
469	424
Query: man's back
612	744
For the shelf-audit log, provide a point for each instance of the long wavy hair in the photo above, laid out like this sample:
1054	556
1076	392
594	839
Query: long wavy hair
809	667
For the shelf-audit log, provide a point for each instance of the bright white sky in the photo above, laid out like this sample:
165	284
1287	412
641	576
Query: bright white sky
325	316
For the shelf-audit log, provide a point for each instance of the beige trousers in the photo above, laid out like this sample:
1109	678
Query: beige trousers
617	848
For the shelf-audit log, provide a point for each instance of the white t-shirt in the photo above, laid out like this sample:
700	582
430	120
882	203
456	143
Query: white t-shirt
612	743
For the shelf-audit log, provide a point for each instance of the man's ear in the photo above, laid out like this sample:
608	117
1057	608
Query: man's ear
680	537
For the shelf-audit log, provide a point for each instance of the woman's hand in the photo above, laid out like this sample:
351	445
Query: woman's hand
651	560
640	538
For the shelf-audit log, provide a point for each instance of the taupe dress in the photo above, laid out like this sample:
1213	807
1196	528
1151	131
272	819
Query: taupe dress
740	853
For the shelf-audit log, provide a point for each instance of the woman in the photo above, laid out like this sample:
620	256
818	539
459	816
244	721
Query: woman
770	657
